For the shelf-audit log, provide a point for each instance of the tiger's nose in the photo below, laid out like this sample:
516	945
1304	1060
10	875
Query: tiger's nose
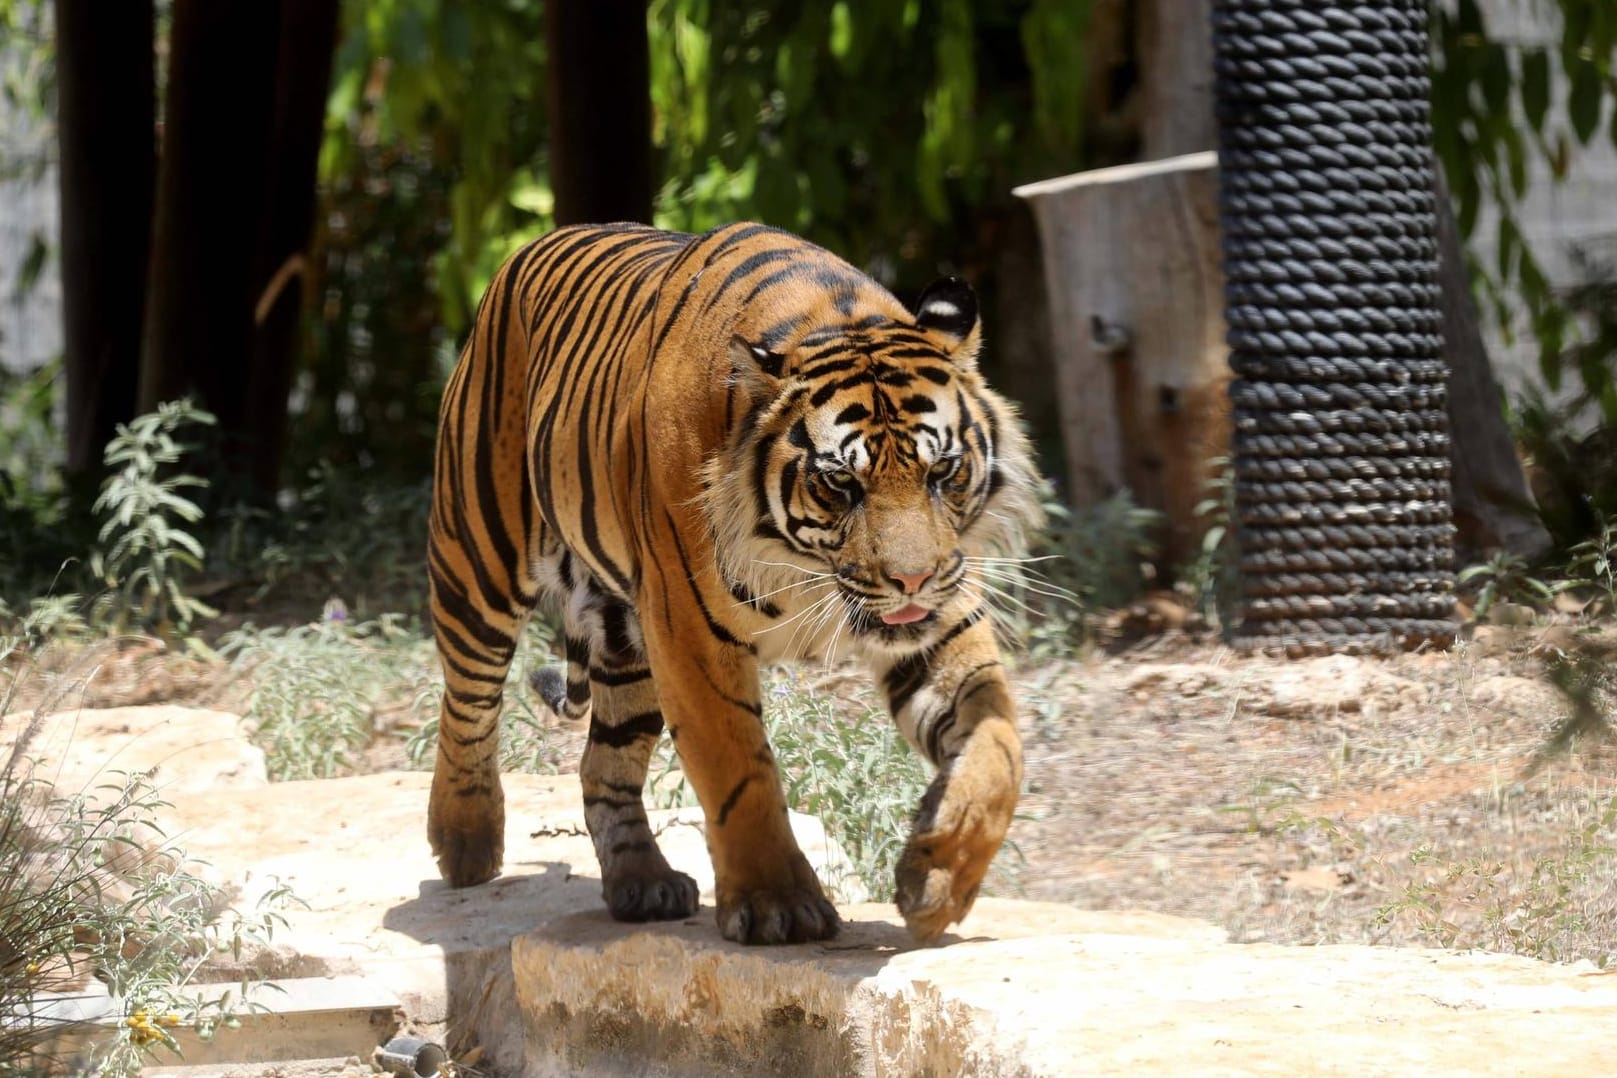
911	582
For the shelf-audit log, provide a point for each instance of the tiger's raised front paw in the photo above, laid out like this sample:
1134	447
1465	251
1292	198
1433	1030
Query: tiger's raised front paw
937	886
788	915
942	867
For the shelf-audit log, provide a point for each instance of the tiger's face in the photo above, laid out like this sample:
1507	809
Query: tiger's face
877	470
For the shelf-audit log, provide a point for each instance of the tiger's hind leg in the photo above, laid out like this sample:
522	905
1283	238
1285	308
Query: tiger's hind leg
625	723
482	588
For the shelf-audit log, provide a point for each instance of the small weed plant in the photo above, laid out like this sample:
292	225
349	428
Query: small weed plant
1506	577
1592	564
334	533
99	917
1088	560
1210	578
147	542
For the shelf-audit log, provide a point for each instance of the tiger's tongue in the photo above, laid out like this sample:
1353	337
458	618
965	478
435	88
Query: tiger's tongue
905	615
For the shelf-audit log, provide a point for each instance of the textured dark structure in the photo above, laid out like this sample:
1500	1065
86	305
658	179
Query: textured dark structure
1330	261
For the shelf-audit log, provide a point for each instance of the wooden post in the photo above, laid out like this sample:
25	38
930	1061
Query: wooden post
1131	262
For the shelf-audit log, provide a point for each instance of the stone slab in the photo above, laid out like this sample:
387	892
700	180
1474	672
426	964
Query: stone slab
1026	989
184	749
354	852
291	1019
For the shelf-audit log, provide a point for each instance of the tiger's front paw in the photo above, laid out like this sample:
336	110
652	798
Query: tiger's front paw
794	913
938	877
650	895
959	829
467	832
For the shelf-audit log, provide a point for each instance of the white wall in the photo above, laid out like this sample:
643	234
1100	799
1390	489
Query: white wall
30	327
1581	210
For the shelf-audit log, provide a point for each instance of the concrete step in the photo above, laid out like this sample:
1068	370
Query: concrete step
293	1019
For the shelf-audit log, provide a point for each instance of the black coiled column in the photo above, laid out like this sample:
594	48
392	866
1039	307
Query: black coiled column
1330	261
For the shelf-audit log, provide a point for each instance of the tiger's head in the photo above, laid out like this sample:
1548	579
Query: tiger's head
873	476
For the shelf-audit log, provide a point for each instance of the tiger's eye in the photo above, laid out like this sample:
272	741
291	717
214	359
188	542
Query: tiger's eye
842	481
943	469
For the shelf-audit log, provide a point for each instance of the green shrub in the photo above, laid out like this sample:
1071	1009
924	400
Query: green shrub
317	688
146	544
92	891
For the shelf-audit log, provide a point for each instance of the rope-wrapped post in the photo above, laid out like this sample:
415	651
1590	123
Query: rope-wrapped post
1327	208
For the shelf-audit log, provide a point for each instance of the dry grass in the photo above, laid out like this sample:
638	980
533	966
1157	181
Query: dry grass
1323	801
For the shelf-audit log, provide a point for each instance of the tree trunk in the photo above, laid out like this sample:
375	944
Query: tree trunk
218	117
106	109
308	39
1175	48
1131	260
1493	505
600	110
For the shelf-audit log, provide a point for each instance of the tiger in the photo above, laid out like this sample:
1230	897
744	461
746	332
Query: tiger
709	453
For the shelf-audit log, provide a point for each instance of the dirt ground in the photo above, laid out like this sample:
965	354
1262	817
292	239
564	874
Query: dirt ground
1323	800
1299	801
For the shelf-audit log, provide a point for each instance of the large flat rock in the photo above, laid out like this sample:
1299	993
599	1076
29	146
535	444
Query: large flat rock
530	970
181	749
354	852
1028	989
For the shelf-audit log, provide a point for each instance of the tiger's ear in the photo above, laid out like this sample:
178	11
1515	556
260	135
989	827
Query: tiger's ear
755	369
948	311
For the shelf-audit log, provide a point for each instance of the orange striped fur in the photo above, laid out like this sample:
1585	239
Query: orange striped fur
711	452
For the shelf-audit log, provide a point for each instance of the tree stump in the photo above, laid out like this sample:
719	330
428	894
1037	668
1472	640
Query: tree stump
1131	258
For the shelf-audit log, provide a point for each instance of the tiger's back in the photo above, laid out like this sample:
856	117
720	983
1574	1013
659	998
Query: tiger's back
678	440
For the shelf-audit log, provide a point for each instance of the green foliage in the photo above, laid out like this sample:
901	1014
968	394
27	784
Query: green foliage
873	128
1210	579
145	547
1570	440
432	171
318	690
853	771
1482	92
38	541
28	84
463	86
1101	555
1593	563
1506	577
343	531
91	887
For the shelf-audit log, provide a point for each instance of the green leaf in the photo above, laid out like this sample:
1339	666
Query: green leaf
33	264
1535	87
1515	159
1495	77
1509	240
841	30
1583	101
